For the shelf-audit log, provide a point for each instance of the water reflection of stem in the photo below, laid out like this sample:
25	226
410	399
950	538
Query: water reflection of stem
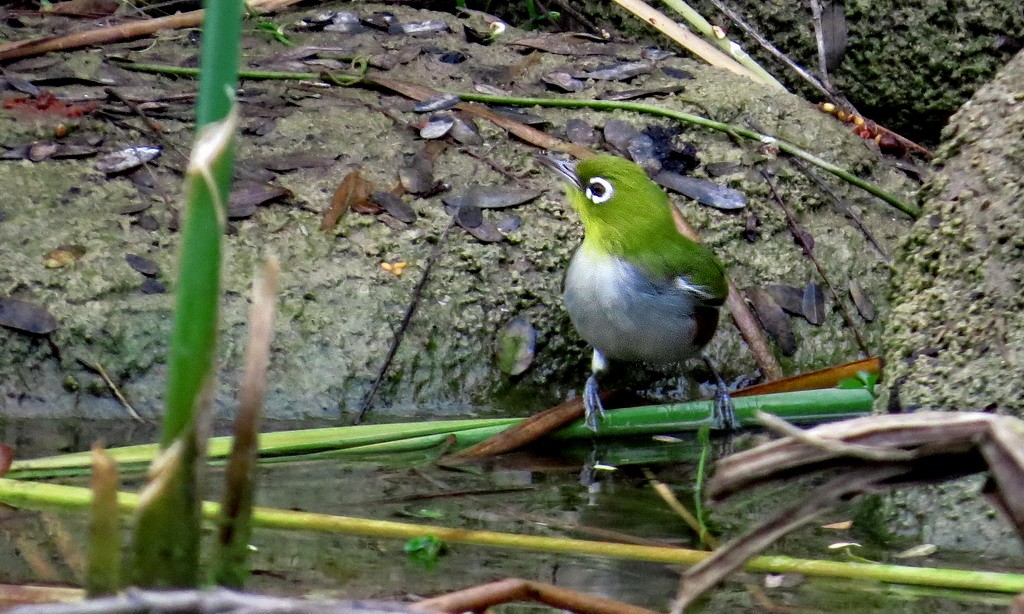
704	436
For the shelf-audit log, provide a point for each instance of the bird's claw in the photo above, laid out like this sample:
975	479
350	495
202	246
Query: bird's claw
593	409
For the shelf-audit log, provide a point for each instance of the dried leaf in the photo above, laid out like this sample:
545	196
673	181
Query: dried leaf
497	197
773	320
862	301
85	8
143	265
834	33
622	71
702	190
790	298
353	192
442	102
63	256
126	159
394	205
814	304
26	317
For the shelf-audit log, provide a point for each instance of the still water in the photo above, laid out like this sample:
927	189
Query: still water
542	492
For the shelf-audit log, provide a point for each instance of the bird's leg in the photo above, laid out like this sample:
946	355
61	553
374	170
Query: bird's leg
724	417
593	409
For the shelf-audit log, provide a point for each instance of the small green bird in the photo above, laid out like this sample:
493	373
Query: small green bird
636	290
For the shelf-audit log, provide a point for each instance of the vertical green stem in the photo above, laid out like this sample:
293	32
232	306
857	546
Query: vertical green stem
166	545
195	318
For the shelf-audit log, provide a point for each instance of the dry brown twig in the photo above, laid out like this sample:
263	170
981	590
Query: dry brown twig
869	454
120	32
479	598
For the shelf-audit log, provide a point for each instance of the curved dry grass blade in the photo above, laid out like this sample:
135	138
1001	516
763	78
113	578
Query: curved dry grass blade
523	433
815	380
712	570
484	596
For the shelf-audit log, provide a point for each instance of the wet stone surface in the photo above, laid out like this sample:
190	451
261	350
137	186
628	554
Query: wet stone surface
339	307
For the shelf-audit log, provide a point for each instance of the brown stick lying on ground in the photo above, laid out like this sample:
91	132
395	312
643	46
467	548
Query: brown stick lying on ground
120	32
479	598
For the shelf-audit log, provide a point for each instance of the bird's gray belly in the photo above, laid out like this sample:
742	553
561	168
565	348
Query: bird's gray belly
625	316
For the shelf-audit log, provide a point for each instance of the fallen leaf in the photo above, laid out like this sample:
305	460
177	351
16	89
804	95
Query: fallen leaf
142	265
773	320
814	304
63	256
354	192
26	317
862	301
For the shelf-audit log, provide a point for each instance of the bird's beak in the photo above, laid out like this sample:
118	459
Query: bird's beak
563	167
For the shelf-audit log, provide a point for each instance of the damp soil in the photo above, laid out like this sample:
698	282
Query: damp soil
340	306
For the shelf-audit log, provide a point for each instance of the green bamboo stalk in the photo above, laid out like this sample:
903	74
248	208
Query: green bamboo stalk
271	444
717	37
801	407
35	495
599	105
168	529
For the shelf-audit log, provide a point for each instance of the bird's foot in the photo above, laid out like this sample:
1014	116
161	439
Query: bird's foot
593	409
723	414
724	417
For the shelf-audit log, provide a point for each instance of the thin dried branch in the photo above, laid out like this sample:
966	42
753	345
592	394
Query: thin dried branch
701	48
223	601
99	370
801	238
479	598
870	454
120	32
410	310
934	434
705	575
522	433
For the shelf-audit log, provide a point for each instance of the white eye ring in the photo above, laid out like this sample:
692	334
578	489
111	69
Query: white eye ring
599	190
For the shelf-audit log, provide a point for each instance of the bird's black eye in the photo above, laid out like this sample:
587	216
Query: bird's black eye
599	190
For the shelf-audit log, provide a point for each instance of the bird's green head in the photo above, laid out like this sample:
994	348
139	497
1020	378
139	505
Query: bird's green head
621	208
